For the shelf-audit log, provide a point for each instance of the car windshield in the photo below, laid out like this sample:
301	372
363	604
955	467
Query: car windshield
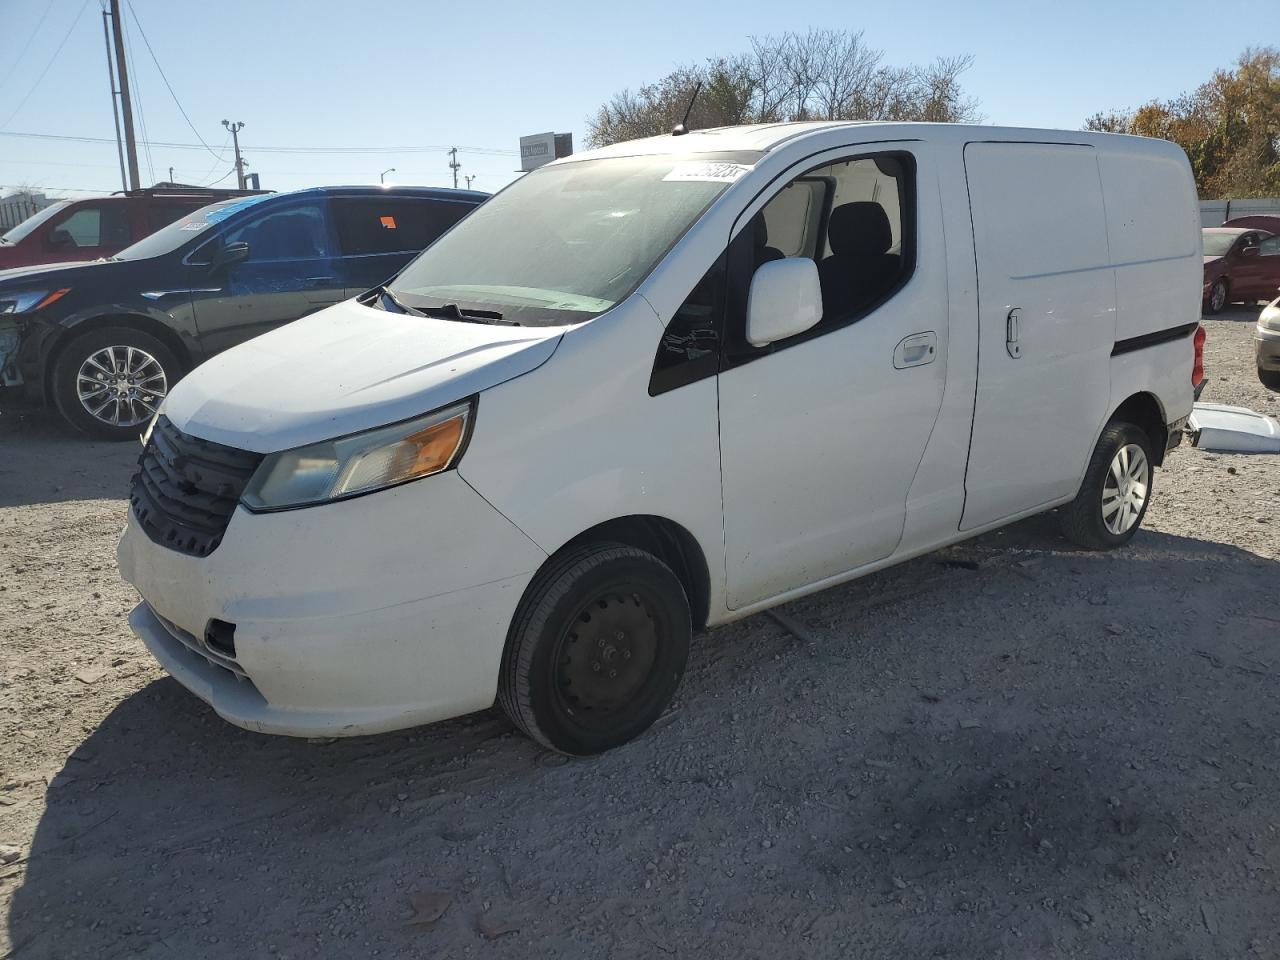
198	222
1217	244
26	226
568	241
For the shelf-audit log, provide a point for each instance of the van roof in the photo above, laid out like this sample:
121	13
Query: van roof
763	137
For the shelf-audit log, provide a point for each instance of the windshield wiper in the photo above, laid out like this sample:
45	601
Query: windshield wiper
386	296
451	311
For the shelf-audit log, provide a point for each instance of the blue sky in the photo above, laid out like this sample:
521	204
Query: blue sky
384	75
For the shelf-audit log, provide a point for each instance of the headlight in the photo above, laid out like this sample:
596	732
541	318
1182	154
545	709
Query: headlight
362	462
1270	316
26	301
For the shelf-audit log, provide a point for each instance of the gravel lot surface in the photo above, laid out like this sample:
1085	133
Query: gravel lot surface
1007	749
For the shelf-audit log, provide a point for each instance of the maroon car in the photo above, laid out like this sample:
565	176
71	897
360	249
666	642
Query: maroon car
1241	265
87	229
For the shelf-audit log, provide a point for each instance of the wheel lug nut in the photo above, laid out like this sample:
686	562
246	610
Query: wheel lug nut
595	667
600	643
626	654
613	673
621	635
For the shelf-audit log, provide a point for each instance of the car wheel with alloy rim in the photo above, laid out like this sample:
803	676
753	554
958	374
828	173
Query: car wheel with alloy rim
1218	296
109	382
1116	490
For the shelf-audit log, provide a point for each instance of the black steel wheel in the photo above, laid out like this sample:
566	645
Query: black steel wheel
596	650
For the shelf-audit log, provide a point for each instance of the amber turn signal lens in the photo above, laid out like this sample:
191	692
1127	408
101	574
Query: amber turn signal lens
434	447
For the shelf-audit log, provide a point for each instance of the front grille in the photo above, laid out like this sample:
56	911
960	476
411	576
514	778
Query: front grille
186	489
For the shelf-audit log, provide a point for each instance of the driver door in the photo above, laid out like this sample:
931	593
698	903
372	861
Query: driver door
291	270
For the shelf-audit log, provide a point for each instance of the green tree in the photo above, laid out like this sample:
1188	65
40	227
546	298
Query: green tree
1229	126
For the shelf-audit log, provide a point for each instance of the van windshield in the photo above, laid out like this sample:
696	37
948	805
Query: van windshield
568	241
26	226
183	229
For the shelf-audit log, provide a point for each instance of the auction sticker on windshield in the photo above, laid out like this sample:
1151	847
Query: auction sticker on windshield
707	172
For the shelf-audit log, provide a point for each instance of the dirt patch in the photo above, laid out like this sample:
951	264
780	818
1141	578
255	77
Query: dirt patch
1008	749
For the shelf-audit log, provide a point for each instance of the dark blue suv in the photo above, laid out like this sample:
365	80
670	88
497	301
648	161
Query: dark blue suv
104	341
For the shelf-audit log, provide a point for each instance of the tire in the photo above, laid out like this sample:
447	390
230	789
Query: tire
1269	379
1090	521
1218	296
133	384
579	691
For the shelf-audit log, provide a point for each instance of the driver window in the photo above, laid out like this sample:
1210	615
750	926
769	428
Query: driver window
853	219
1269	247
297	232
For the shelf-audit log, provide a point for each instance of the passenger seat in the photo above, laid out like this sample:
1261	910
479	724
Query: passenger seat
860	268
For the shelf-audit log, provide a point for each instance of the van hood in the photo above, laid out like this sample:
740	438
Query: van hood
345	369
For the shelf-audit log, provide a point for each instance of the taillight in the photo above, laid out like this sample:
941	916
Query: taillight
1197	369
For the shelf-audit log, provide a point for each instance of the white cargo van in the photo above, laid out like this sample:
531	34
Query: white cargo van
658	387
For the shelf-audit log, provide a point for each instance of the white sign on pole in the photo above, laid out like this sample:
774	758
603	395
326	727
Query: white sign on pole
537	149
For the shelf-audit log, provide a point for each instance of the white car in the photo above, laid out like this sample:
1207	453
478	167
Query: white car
1267	340
656	387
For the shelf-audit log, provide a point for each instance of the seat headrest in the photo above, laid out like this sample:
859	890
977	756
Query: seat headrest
859	229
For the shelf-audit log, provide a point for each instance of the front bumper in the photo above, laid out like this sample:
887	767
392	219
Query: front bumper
373	614
1268	348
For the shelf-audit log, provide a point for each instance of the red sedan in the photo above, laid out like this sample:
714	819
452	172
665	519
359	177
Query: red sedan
1241	265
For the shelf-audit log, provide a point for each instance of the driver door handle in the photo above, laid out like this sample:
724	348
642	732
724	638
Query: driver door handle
915	350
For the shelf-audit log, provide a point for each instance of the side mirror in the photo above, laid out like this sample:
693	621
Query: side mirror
1249	251
59	238
785	299
229	254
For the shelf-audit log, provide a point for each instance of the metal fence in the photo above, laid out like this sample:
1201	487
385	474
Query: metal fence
19	206
1214	212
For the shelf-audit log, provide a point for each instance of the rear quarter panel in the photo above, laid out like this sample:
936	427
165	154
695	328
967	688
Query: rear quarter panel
1153	226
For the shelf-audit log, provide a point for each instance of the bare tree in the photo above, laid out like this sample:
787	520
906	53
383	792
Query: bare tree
819	75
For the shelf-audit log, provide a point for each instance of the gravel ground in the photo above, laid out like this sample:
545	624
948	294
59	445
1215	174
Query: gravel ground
1007	749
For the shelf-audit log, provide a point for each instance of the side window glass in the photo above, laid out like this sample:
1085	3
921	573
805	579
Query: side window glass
690	347
1270	247
296	232
161	215
854	219
392	225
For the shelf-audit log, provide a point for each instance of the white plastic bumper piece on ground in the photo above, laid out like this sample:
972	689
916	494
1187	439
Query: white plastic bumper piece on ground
373	614
1215	426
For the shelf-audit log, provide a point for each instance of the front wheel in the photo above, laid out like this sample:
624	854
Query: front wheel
1217	296
596	649
1116	490
109	382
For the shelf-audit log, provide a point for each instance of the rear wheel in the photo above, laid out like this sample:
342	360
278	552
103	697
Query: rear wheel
596	650
1269	378
109	382
1217	296
1116	490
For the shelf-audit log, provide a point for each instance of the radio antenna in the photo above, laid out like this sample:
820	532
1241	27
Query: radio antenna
681	128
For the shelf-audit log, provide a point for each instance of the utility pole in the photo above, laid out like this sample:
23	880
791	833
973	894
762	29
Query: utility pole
469	179
235	129
454	165
126	106
171	174
115	107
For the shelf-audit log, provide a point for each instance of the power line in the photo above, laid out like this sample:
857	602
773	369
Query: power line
13	64
427	148
67	36
138	23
